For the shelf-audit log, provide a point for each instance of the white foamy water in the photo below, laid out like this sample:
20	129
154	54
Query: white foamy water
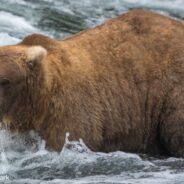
24	158
6	39
15	24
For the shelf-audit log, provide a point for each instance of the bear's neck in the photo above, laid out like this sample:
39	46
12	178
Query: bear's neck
70	94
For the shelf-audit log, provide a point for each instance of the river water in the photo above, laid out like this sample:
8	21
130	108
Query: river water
23	158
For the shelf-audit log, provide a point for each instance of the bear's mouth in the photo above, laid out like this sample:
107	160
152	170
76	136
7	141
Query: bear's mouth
1	117
3	109
6	107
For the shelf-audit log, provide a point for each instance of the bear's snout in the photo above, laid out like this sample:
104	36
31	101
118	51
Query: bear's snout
4	85
6	89
11	82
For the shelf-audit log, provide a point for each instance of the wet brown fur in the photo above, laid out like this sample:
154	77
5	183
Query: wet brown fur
118	86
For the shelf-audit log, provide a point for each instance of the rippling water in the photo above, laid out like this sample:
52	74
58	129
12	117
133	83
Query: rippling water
23	158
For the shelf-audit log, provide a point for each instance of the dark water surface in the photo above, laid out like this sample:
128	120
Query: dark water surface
24	159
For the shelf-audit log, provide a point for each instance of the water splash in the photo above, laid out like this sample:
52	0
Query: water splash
26	160
4	140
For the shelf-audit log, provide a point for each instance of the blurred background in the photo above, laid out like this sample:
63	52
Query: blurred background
58	18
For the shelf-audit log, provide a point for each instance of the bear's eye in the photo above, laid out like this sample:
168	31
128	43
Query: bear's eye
4	82
31	65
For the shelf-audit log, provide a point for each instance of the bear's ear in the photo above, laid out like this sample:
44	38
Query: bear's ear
35	55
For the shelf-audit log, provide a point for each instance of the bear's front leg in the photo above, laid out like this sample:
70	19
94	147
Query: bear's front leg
172	125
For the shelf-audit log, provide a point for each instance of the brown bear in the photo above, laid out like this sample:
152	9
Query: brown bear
119	86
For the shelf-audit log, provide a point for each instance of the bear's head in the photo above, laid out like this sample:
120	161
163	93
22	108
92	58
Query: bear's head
20	77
